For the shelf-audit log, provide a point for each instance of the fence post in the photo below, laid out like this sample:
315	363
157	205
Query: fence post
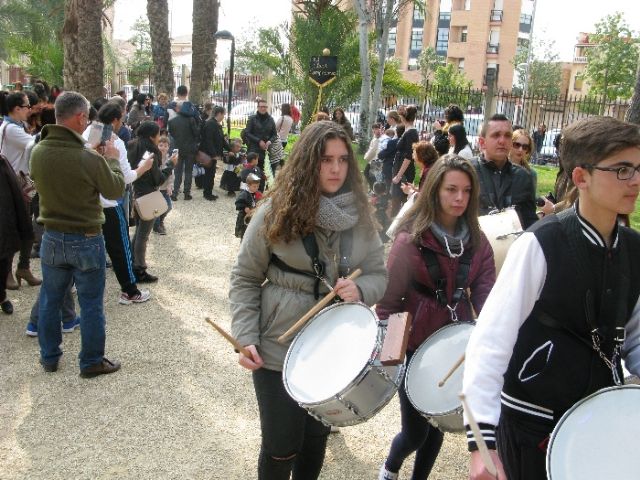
489	107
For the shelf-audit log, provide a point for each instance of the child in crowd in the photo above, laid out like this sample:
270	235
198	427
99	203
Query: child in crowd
380	202
246	203
166	188
250	167
233	161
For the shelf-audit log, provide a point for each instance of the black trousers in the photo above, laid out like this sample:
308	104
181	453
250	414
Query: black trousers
522	446
293	442
117	243
5	268
417	435
208	178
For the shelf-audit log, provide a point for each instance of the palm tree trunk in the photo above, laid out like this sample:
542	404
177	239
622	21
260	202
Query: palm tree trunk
70	44
205	25
90	51
158	14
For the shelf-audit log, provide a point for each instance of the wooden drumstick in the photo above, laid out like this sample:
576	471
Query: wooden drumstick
451	370
482	446
229	338
315	309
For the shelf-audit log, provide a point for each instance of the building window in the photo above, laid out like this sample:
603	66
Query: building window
461	65
418	13
467	5
442	41
413	64
577	83
463	34
494	41
391	45
416	39
525	23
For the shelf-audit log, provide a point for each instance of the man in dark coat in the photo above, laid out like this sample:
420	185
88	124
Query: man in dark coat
213	143
261	132
185	132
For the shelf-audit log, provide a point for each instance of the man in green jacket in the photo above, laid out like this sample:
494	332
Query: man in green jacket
70	177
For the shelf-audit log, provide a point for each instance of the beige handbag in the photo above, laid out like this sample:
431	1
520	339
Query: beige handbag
151	205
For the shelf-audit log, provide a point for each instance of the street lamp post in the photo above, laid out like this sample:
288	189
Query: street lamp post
226	35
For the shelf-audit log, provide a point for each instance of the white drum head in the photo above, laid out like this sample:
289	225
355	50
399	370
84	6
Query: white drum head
330	352
430	363
598	437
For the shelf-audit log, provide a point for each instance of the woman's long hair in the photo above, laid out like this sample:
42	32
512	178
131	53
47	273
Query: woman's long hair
460	134
143	143
296	196
342	120
424	212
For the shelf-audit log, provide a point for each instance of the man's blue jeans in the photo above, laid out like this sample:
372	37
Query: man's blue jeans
65	256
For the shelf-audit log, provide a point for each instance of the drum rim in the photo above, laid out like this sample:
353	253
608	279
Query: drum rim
408	369
358	377
566	415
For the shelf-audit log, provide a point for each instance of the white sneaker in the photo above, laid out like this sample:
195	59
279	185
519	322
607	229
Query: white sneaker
385	474
141	297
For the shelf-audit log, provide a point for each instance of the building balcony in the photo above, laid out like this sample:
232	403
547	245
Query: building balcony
579	59
493	48
496	16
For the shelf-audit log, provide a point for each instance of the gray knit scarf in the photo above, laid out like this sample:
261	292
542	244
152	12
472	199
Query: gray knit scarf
454	245
337	213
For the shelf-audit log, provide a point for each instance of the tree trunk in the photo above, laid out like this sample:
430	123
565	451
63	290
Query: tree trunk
365	72
70	44
633	114
205	25
383	41
158	15
90	51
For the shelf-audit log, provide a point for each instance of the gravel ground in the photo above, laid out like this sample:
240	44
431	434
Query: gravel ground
181	407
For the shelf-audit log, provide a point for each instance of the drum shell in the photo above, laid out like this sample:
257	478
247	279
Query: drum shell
364	396
501	229
422	387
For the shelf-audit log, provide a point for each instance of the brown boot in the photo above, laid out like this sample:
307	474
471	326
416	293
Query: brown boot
26	275
11	282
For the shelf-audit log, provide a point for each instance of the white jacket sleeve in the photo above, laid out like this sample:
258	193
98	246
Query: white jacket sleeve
510	302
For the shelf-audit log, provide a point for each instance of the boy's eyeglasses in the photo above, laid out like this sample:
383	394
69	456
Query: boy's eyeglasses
625	172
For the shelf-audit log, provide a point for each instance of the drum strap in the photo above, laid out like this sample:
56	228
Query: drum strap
311	247
430	259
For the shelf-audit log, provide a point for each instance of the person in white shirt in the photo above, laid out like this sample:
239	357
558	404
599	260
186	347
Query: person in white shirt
458	142
116	228
372	153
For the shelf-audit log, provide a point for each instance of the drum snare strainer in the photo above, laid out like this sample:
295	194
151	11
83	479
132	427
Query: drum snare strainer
332	367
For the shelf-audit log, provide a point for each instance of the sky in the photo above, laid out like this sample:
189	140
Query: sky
558	20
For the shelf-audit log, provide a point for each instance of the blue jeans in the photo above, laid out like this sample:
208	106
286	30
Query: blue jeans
67	256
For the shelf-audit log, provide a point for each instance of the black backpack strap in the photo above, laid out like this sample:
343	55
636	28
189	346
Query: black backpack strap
311	247
430	259
464	267
346	247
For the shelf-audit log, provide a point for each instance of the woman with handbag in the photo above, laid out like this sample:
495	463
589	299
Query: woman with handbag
147	141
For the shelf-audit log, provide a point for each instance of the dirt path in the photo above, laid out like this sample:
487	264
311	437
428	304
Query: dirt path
180	408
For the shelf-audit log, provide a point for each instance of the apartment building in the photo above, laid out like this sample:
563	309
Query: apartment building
481	37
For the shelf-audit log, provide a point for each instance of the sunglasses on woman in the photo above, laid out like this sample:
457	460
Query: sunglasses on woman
522	146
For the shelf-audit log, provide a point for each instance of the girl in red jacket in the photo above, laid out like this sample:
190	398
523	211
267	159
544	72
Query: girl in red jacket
444	223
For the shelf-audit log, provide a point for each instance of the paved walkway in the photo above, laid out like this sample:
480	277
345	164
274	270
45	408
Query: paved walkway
181	407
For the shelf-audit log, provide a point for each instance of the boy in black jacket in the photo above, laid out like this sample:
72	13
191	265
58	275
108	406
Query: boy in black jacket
565	309
246	202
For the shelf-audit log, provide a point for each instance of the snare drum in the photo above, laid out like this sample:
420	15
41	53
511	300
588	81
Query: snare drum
501	230
597	438
332	368
428	366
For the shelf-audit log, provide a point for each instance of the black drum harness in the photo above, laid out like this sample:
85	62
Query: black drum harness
311	247
430	259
